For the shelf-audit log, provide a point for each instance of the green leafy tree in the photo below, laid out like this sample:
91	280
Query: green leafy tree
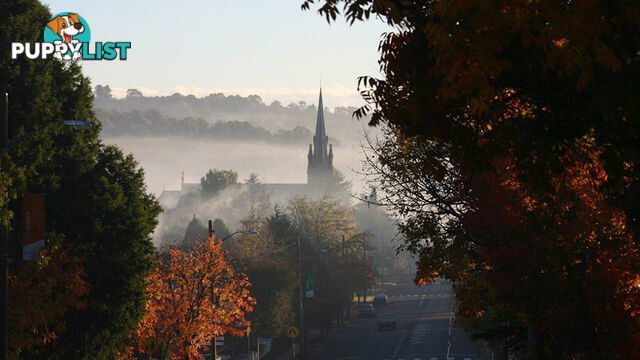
320	225
95	195
272	286
217	180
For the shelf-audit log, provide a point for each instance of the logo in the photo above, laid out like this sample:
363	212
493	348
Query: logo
67	38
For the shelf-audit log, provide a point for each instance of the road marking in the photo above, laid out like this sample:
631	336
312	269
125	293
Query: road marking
419	334
434	358
397	349
467	358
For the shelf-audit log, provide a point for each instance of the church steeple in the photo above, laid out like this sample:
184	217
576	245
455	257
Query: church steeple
320	139
320	168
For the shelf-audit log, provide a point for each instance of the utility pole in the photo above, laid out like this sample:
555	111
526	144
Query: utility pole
381	264
302	329
364	257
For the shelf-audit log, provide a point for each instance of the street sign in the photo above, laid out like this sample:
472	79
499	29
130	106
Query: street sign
309	293
32	225
220	340
77	123
150	346
293	332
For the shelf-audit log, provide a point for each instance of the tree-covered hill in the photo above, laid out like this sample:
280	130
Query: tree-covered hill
189	115
153	123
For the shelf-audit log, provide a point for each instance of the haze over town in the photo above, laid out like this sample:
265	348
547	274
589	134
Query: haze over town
320	179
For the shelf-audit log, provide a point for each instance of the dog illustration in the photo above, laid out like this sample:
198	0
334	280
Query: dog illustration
66	26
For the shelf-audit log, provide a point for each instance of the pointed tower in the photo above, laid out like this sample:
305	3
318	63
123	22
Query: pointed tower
320	167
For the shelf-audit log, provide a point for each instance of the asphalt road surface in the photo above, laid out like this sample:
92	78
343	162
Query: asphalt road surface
425	329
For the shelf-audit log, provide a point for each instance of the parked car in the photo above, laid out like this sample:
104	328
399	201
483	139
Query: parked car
365	310
387	320
381	299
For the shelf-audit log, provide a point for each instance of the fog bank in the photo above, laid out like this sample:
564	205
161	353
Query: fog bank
164	158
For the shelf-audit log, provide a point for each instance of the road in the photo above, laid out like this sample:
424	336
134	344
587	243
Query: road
426	329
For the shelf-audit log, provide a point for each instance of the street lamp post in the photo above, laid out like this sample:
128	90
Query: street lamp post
214	350
5	145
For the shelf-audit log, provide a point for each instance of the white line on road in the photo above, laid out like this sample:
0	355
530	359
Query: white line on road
397	349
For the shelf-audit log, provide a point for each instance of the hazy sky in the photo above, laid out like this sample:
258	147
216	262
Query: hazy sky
270	48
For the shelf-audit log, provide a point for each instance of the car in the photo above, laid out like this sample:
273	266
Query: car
387	320
381	299
365	310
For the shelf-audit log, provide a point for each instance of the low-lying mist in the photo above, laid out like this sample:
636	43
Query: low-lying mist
164	158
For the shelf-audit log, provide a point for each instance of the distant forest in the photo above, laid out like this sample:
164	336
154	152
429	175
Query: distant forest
152	123
218	116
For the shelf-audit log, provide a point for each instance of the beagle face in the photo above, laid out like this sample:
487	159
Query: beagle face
66	26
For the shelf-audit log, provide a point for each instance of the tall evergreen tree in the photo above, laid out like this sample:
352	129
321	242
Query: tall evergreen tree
95	195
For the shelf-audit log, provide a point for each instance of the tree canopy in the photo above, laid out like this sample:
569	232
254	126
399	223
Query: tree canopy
511	155
194	294
217	180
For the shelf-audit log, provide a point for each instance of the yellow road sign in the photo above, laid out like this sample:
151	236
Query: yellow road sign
293	332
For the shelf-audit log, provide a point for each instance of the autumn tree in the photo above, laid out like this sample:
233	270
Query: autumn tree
193	295
41	293
528	267
527	146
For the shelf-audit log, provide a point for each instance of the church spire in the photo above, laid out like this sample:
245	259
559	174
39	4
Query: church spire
320	159
320	130
320	139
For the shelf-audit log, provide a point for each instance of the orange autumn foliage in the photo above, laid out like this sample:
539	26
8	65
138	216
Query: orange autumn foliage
561	258
41	293
193	295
